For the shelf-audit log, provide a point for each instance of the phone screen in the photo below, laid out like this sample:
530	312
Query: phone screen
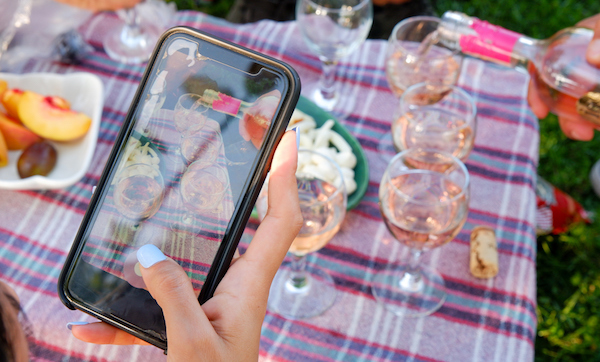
193	142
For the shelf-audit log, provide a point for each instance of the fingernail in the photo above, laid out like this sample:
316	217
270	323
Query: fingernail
71	324
149	255
575	135
593	51
297	130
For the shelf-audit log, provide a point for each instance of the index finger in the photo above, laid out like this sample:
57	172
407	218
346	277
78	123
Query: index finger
102	333
592	53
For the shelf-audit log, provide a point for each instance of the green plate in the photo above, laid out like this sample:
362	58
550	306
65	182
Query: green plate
361	171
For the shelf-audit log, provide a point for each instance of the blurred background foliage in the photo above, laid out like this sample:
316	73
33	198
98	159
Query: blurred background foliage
568	265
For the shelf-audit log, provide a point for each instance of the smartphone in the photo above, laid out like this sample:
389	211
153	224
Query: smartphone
184	173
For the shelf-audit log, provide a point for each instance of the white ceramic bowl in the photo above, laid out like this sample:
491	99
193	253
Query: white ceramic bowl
85	92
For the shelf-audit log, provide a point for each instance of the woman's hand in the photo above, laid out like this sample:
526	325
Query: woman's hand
226	327
576	129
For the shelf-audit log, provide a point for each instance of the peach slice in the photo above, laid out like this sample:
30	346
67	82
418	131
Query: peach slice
17	137
59	102
44	118
10	100
3	152
3	87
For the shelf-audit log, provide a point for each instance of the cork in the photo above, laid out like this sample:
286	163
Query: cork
484	253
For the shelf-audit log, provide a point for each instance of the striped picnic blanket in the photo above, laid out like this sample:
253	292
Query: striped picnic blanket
481	320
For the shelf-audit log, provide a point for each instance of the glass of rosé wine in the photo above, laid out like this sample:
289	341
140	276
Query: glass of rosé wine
424	201
414	55
296	292
444	121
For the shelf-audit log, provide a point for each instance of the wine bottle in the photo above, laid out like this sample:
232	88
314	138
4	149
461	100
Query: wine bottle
566	82
255	117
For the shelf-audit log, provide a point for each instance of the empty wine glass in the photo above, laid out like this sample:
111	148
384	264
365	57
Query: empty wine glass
444	121
297	293
332	29
189	114
201	145
134	41
203	188
424	201
415	55
138	192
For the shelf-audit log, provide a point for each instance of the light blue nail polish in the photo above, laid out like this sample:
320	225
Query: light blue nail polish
71	324
297	130
149	255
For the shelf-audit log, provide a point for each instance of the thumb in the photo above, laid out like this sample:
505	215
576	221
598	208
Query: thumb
170	286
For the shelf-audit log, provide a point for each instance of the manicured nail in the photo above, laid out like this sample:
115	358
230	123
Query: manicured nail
297	130
71	324
149	255
593	51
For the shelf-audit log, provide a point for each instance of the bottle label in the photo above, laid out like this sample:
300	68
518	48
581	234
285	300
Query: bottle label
492	42
588	106
226	104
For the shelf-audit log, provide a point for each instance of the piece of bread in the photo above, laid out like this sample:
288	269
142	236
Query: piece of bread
484	253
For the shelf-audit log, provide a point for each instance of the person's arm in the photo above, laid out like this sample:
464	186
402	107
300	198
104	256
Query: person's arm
576	129
226	327
100	5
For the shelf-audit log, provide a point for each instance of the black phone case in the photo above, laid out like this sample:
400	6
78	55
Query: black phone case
238	222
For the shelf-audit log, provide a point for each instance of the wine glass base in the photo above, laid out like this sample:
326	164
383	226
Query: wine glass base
311	300
340	106
327	104
385	147
131	51
416	300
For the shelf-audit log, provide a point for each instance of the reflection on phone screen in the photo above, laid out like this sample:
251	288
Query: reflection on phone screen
197	130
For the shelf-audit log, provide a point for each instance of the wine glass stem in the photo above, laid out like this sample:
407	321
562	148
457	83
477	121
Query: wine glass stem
132	32
411	280
328	79
298	279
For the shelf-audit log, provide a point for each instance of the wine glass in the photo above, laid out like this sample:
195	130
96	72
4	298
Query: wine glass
332	29
424	201
203	187
201	145
189	115
444	121
134	41
138	192
415	55
297	293
189	112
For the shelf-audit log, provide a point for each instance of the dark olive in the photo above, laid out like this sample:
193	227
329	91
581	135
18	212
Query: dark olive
37	159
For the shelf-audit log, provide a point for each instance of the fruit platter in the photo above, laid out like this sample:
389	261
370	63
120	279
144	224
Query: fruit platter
49	126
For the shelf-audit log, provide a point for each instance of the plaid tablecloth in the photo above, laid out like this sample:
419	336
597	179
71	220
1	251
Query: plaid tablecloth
482	320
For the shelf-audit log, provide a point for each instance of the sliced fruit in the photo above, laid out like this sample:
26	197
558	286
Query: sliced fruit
3	87
10	100
44	118
37	159
3	152
16	136
59	102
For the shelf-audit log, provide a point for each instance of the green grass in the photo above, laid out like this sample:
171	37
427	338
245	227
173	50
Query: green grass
568	265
